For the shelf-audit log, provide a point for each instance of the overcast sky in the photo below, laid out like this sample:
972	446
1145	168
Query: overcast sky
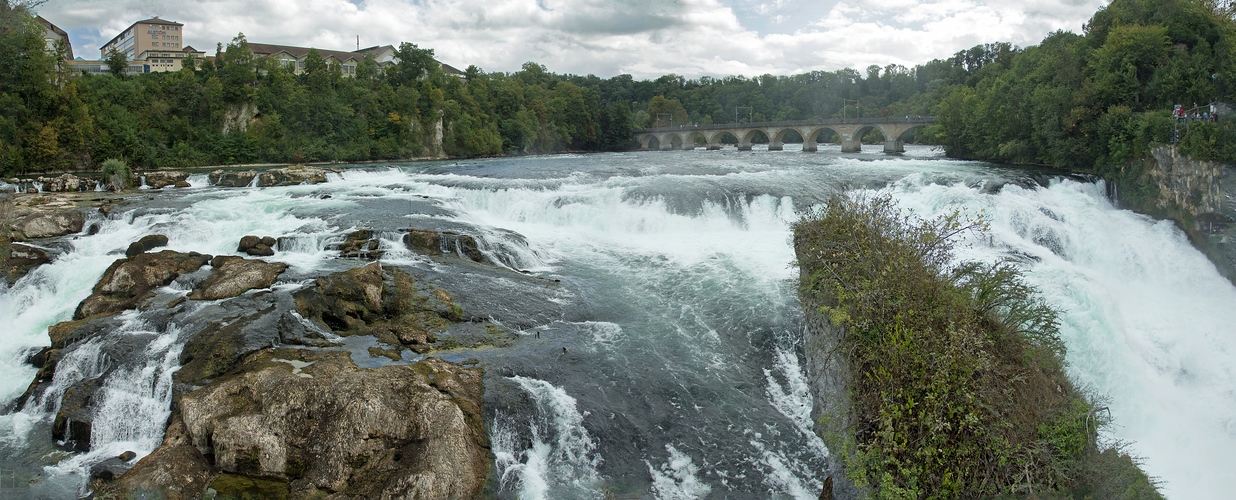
645	38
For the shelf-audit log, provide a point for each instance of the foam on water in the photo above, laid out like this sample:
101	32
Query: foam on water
1146	317
562	459
677	478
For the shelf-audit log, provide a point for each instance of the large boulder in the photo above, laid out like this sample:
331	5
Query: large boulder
258	247
361	244
292	176
127	282
160	180
232	178
385	303
315	424
37	223
234	275
146	244
440	242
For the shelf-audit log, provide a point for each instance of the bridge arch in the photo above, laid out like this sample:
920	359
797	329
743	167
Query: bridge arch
649	141
690	140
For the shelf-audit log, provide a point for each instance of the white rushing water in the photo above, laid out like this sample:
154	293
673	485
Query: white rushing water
1148	321
562	459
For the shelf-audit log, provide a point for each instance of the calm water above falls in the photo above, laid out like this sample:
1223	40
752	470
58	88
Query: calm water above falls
682	374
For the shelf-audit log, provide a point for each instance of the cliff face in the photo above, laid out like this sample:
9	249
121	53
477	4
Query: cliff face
829	375
1200	196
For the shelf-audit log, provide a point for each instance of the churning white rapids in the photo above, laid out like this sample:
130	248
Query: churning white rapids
682	374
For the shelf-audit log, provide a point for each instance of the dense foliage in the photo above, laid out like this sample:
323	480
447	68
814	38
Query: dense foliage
1099	100
957	382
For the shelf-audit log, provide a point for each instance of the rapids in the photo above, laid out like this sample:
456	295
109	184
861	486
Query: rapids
669	362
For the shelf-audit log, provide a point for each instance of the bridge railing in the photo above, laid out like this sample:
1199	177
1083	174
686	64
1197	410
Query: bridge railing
794	123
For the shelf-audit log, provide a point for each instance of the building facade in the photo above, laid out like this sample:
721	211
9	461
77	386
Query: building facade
151	45
52	34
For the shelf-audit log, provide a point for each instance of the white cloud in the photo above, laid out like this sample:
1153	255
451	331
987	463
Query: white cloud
646	38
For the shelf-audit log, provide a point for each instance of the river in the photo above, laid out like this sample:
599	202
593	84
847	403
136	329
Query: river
668	362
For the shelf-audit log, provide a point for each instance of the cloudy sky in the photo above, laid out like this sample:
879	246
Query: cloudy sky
645	38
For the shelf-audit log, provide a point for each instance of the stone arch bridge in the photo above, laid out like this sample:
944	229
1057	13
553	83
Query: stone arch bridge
851	131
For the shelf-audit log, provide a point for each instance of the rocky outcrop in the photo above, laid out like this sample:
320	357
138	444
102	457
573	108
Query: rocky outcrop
146	244
176	470
315	424
232	178
294	175
234	275
67	183
828	373
439	242
1192	193
385	303
362	244
20	260
258	247
160	180
45	222
1194	186
288	176
127	282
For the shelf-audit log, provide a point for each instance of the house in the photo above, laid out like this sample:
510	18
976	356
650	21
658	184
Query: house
53	34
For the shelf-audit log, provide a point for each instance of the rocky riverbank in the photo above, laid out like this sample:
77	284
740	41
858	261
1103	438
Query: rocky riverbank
283	389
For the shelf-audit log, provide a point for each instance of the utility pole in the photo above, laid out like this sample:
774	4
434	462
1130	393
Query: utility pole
671	118
749	109
845	102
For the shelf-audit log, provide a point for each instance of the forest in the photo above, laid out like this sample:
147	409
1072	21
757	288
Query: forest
1094	101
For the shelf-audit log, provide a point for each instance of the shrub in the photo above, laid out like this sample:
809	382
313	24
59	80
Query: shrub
957	385
116	174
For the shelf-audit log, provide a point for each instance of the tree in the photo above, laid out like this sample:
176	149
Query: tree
117	62
413	64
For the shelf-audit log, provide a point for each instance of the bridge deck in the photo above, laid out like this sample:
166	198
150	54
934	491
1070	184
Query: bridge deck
793	123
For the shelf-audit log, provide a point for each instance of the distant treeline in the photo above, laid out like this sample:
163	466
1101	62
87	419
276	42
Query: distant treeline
1090	102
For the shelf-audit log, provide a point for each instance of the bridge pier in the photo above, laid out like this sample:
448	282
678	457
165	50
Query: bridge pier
810	147
776	146
894	146
714	146
744	146
851	146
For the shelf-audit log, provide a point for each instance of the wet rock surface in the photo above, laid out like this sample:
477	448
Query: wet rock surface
160	180
127	282
362	244
232	178
46	222
439	242
20	260
146	244
385	303
287	176
234	275
294	175
258	247
317	424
